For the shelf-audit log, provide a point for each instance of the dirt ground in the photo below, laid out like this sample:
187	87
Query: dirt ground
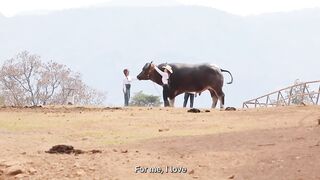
161	143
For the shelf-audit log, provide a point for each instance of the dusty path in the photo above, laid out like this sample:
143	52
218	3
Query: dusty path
275	143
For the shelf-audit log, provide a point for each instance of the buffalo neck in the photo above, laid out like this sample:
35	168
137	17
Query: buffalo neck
155	77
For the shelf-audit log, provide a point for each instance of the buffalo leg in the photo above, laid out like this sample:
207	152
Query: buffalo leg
172	102
214	98
220	95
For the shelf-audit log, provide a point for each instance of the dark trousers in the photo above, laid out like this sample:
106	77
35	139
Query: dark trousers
186	97
165	94
127	95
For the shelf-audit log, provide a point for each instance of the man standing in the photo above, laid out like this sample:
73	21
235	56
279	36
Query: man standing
126	87
165	81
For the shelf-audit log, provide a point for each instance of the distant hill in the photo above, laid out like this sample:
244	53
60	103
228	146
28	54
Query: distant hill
143	3
263	52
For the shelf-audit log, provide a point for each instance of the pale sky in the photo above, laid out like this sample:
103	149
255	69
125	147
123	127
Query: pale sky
239	7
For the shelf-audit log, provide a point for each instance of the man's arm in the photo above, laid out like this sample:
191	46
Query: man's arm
159	71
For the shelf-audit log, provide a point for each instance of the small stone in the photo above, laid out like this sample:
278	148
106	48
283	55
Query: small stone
94	151
76	165
162	130
32	171
14	170
191	172
80	172
230	109
124	151
78	151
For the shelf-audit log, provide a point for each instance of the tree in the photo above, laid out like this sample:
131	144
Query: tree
26	80
141	99
19	77
52	77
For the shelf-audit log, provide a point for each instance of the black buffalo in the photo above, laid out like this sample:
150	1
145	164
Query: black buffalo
190	78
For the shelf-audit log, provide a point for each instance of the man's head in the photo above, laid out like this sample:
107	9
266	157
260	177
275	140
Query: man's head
167	69
126	72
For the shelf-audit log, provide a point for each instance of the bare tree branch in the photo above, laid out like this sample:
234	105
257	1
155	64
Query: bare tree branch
27	81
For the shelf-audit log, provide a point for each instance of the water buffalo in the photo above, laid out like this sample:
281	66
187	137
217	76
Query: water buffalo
190	78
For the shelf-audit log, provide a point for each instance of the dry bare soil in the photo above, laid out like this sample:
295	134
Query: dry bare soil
273	143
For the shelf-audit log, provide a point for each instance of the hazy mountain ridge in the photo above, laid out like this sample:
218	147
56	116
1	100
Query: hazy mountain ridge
145	3
263	52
